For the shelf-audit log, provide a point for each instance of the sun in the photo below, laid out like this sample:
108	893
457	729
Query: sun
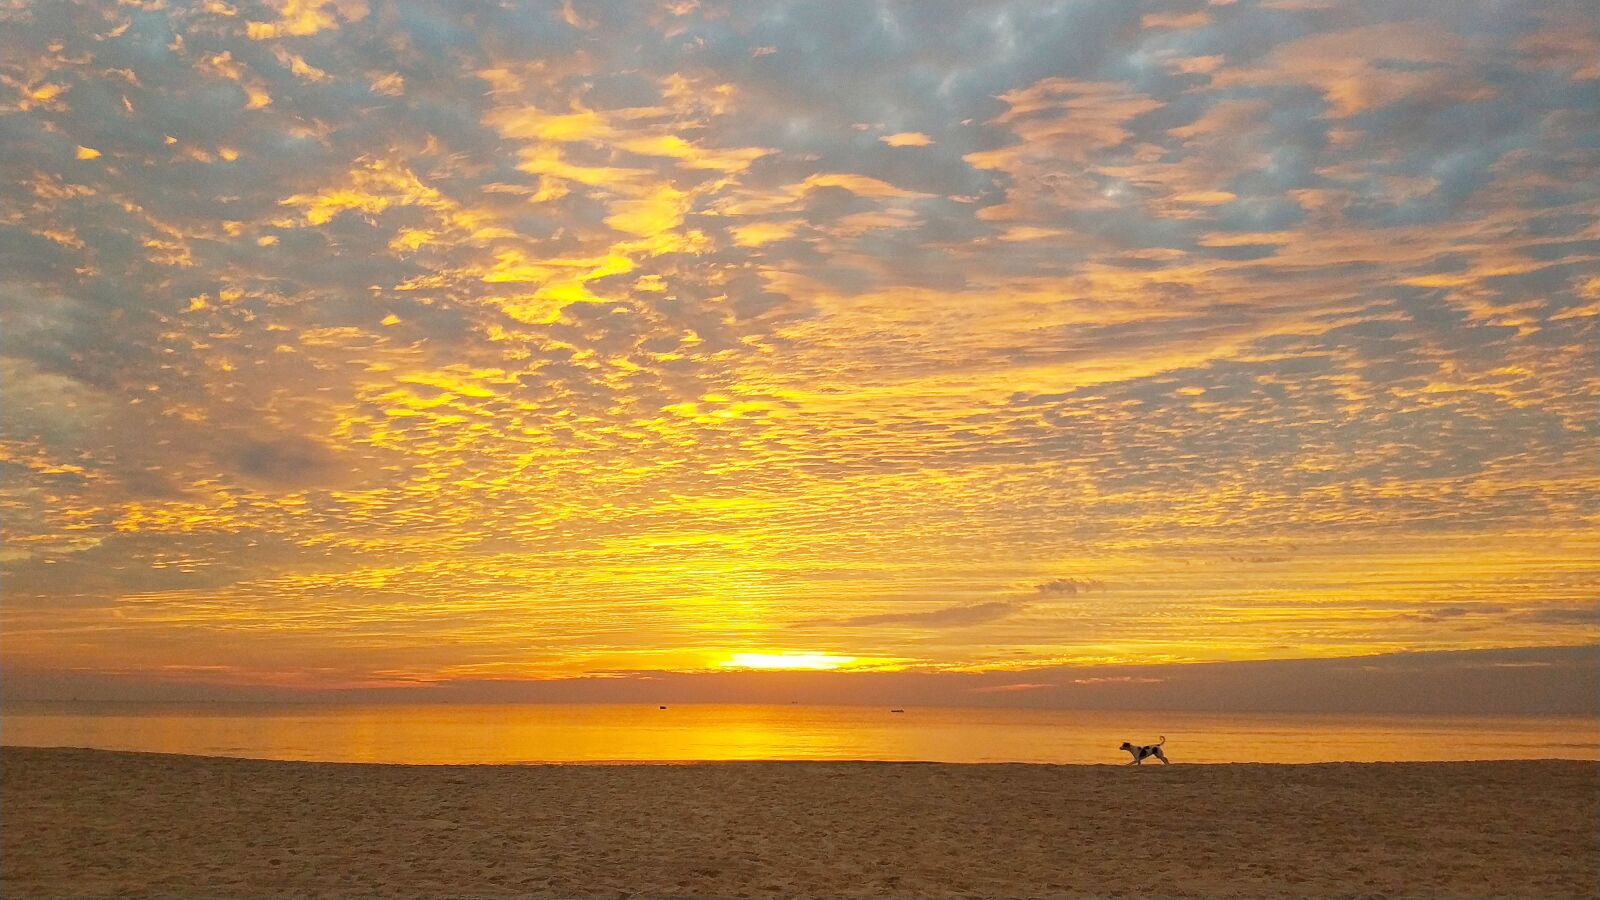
809	661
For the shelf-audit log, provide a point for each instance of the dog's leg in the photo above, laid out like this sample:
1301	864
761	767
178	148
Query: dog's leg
1163	757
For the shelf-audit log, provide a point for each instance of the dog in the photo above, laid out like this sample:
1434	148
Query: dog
1140	754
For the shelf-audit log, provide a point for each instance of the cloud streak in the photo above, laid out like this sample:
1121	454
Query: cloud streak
946	617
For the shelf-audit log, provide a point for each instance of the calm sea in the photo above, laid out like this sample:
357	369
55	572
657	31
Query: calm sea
603	734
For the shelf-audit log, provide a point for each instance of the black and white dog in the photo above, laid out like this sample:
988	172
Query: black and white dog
1140	754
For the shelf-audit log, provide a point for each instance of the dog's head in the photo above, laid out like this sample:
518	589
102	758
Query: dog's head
1125	746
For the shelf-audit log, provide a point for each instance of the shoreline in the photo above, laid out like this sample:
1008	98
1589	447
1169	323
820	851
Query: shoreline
89	823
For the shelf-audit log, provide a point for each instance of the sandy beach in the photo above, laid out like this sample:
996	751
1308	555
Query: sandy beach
95	823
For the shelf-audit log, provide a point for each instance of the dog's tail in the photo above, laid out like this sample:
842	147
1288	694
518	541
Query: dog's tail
1162	741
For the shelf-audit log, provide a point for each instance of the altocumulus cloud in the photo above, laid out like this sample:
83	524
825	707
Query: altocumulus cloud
352	343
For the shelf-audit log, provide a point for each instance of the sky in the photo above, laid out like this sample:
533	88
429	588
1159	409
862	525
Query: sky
351	345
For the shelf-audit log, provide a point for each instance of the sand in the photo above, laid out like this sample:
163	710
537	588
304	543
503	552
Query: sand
95	823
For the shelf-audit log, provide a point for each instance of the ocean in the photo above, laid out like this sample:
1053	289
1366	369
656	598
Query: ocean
460	734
